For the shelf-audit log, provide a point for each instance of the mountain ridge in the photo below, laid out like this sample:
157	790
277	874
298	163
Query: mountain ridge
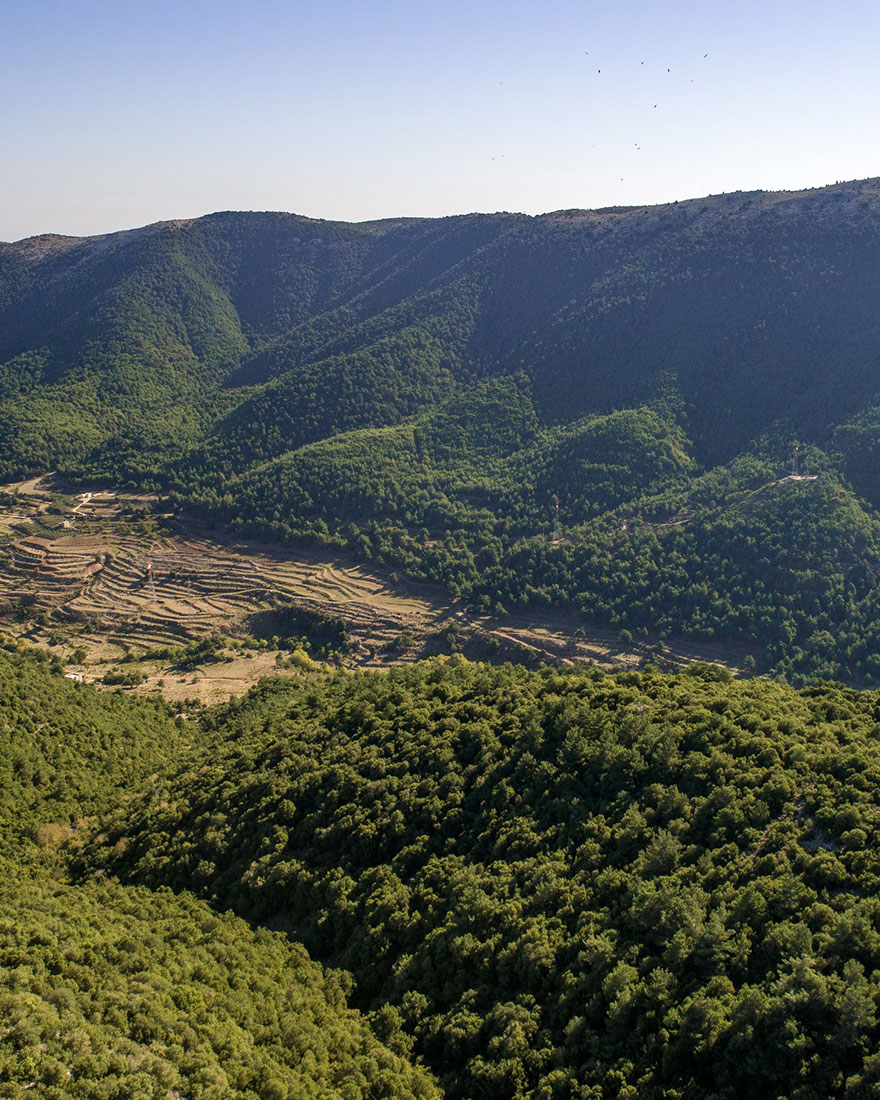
188	356
842	188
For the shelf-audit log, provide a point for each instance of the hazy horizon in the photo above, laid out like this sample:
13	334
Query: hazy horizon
120	117
454	214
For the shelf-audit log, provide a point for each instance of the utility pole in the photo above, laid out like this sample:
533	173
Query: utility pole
148	577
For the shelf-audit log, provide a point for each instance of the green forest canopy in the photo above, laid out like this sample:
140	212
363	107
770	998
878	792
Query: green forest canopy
116	993
555	884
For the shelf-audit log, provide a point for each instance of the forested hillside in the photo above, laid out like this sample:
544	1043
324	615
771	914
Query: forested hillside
114	993
132	994
554	885
587	409
65	752
527	886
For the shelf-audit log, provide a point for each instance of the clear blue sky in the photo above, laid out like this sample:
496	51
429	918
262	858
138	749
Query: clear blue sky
117	114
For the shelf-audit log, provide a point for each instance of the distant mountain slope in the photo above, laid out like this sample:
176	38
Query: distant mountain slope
246	361
761	306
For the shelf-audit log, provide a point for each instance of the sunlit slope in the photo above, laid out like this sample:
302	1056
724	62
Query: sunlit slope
115	991
66	752
110	991
126	339
558	884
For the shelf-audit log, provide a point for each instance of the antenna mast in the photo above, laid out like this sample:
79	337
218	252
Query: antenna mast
557	530
794	461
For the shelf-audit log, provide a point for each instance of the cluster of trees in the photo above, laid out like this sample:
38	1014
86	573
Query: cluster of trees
65	752
610	515
534	884
116	993
555	884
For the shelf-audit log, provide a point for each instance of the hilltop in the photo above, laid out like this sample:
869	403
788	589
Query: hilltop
550	884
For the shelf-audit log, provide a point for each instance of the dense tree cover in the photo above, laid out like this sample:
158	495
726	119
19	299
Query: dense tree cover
66	752
557	884
857	444
380	385
761	306
114	993
477	469
116	345
468	495
425	391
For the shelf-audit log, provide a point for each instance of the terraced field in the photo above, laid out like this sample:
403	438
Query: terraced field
193	587
81	573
